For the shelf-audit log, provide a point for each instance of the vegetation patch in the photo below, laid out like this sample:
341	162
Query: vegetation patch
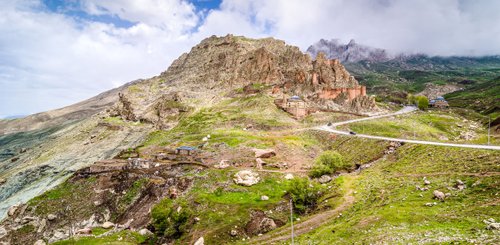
304	194
171	220
328	163
123	237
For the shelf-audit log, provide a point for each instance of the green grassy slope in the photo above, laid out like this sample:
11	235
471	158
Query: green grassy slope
391	80
390	210
483	97
387	206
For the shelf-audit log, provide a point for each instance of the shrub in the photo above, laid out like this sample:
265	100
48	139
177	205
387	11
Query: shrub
328	163
304	194
423	102
170	220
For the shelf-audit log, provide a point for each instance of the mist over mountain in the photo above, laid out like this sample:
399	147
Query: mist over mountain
350	52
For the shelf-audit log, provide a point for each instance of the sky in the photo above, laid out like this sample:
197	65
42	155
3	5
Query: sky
54	53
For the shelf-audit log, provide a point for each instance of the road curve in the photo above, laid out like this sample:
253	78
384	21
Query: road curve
408	109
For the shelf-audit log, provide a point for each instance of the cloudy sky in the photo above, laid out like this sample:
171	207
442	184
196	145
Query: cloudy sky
54	53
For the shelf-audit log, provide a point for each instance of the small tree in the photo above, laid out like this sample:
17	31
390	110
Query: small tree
328	163
304	194
423	102
410	99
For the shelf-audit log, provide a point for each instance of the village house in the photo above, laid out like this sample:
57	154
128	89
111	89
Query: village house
185	150
439	102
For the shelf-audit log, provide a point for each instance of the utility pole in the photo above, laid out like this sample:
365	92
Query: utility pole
291	217
489	126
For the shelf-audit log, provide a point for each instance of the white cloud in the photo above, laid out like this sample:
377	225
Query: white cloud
51	59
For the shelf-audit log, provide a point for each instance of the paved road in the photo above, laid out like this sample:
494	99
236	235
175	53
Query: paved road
407	109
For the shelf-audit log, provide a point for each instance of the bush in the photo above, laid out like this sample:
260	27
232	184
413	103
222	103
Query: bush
170	220
423	102
328	163
304	194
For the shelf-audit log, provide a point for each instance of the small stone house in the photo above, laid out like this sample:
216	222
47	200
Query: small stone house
439	102
185	150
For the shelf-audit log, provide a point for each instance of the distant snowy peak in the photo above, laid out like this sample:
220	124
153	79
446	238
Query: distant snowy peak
351	52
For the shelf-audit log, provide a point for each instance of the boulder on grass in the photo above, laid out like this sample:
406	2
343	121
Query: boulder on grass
439	195
107	225
264	153
246	178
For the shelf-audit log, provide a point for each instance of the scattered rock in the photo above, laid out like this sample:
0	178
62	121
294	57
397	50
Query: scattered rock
246	178
266	225
234	233
324	179
261	223
197	219
106	214
107	225
172	192
439	195
430	204
97	203
84	231
460	185
12	210
443	138
264	153
491	224
2	181
145	232
27	219
40	242
200	241
223	164
426	182
421	188
264	198
126	225
289	176
51	217
42	225
260	163
3	232
58	235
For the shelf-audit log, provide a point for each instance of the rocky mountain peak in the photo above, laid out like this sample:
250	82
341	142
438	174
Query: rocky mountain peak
218	66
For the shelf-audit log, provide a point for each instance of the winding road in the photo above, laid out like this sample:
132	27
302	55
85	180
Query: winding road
406	109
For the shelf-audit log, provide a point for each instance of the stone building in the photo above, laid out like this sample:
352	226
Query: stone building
185	150
294	105
439	102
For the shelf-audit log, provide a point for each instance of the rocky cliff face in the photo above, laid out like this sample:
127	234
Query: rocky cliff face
351	52
219	65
